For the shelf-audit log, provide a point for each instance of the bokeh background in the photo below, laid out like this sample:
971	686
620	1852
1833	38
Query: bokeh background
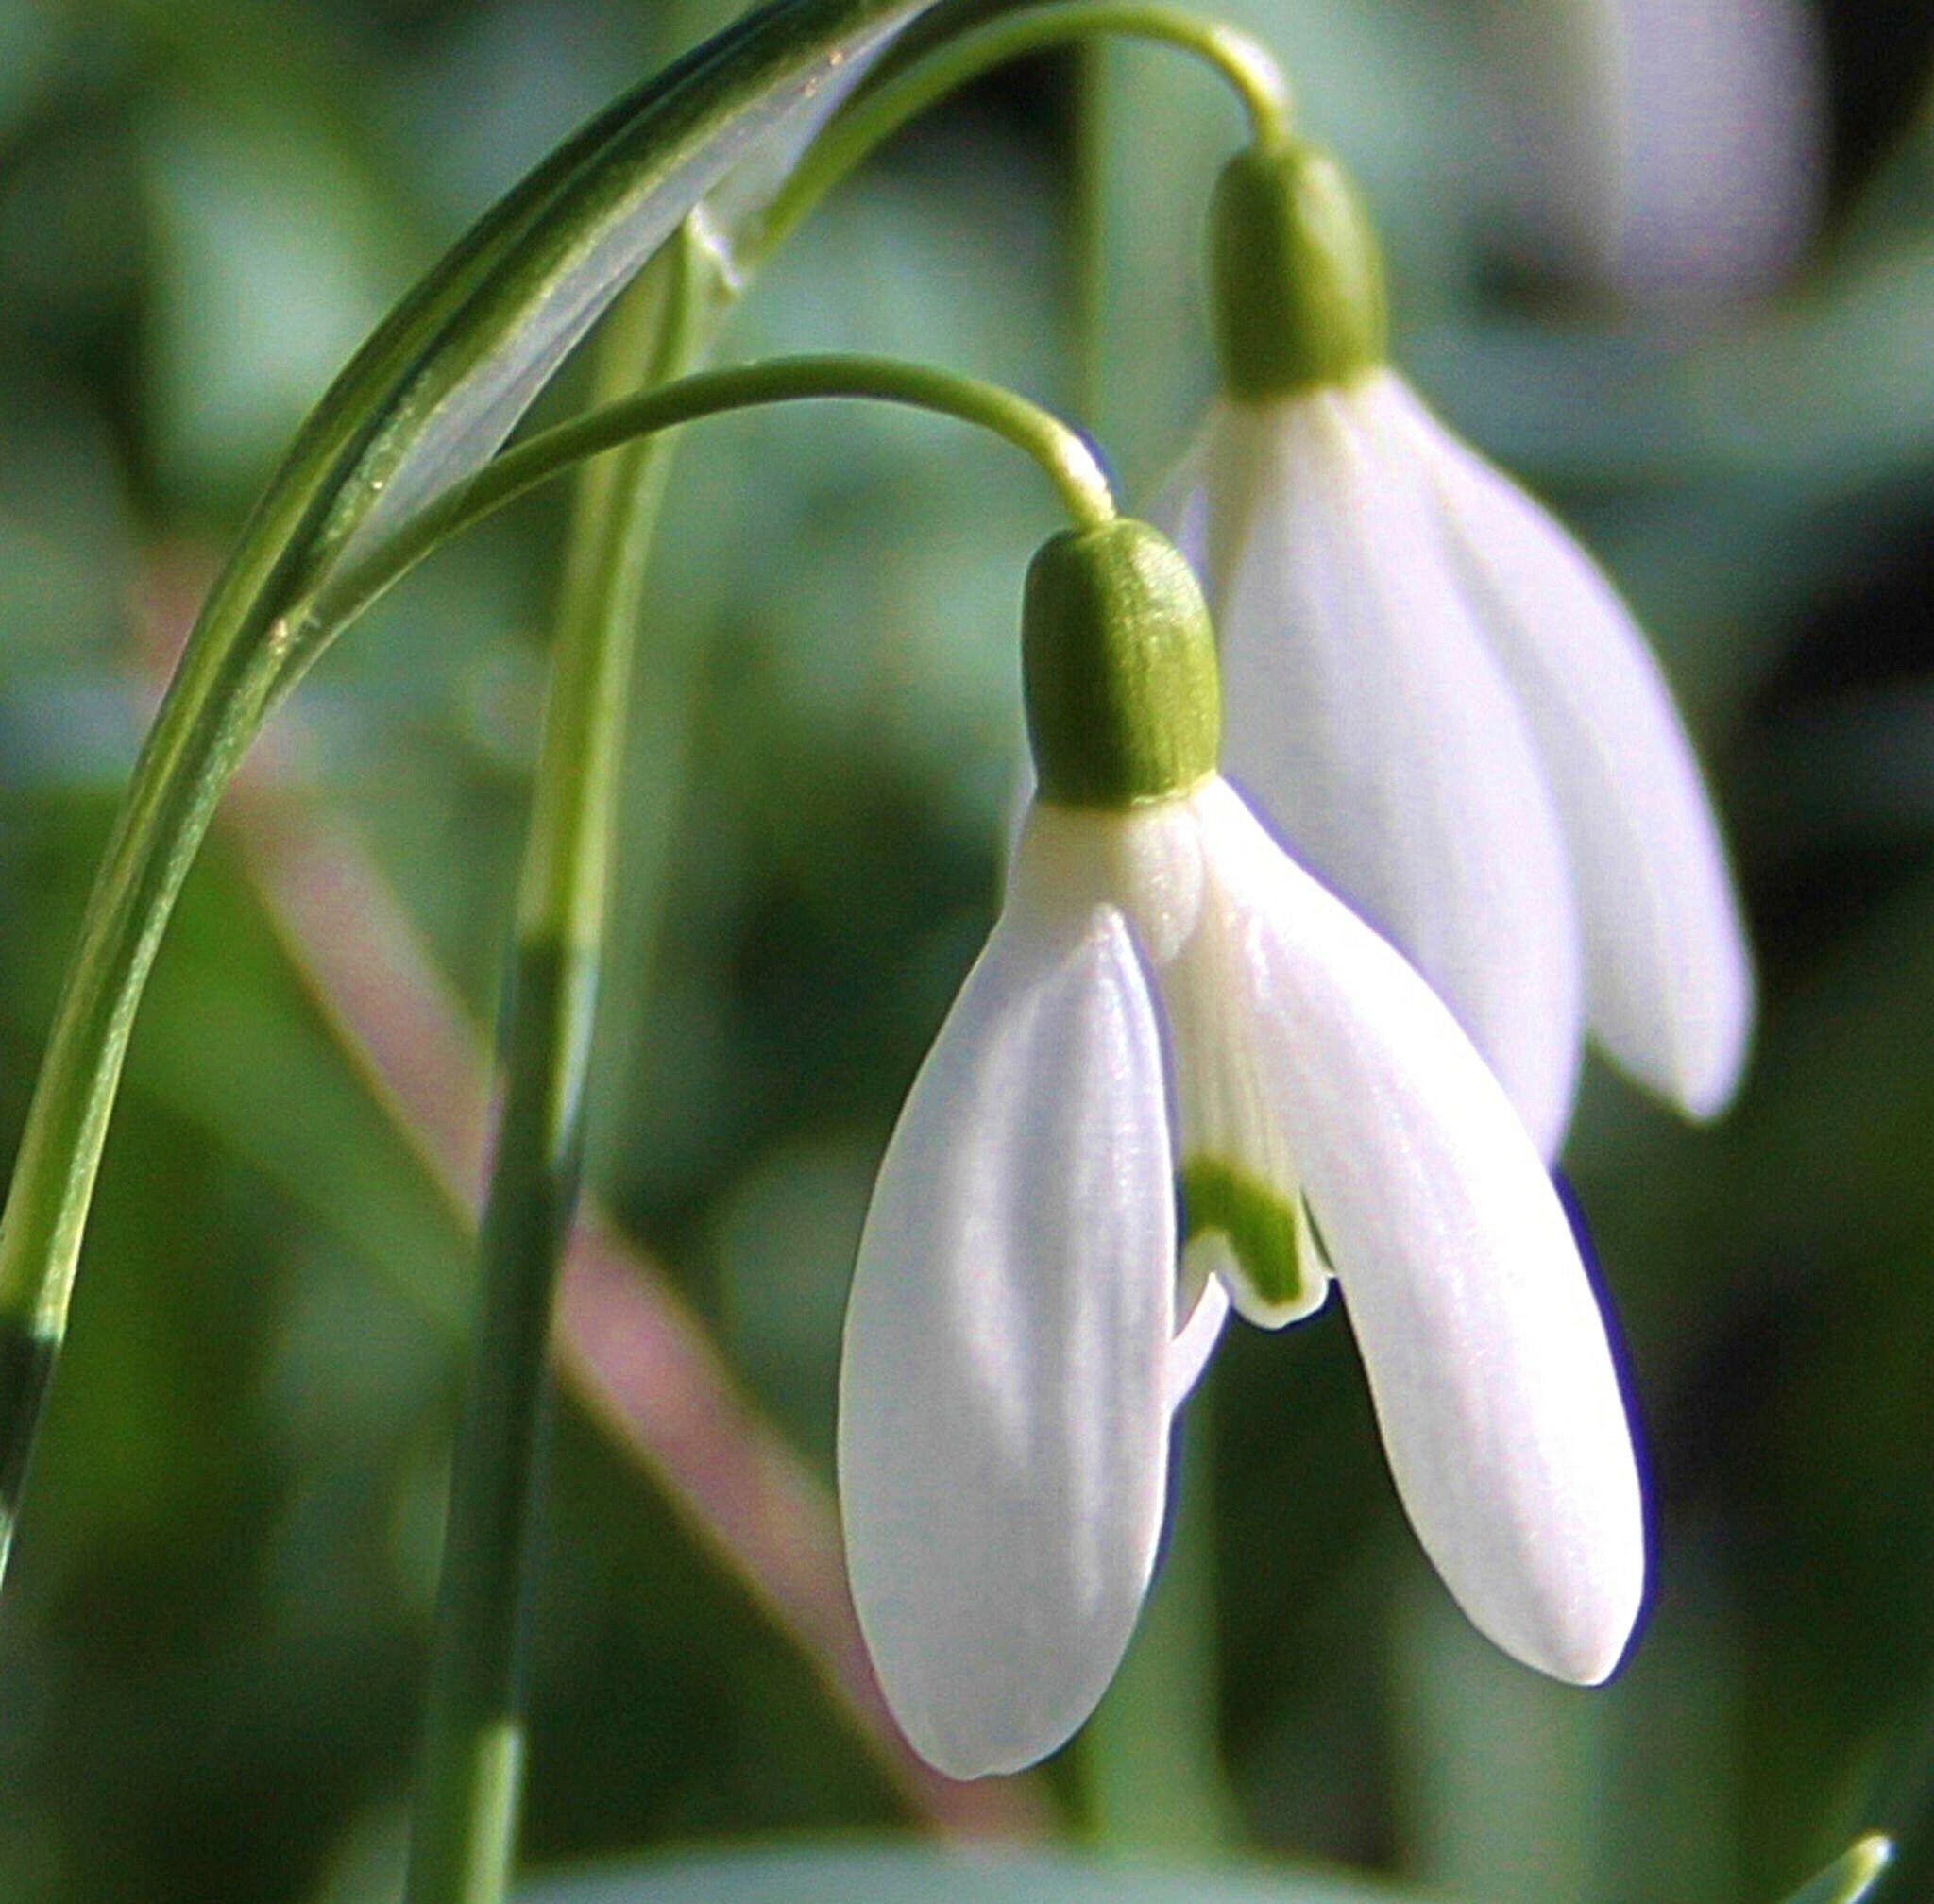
1671	259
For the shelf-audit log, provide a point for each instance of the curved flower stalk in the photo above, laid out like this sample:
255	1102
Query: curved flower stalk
1168	1000
1436	693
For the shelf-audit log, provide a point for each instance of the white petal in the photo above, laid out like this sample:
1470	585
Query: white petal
1669	980
1486	1353
1004	1392
1369	720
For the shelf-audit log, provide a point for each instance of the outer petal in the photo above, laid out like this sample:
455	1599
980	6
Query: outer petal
1004	1393
1486	1350
1669	979
1366	715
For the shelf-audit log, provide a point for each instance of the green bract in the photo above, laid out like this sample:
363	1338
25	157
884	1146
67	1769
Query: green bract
1295	277
1124	703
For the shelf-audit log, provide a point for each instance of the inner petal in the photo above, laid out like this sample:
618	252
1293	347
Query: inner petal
1243	1219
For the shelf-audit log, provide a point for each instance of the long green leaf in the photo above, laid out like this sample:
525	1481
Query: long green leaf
427	401
894	1876
722	126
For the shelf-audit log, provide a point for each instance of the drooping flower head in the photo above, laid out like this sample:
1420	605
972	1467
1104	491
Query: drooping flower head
1184	1074
1434	694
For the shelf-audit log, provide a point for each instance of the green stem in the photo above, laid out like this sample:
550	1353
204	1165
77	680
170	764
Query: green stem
562	890
1087	215
1248	66
467	1797
1062	452
1155	1778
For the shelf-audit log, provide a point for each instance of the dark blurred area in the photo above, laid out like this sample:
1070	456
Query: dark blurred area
1674	263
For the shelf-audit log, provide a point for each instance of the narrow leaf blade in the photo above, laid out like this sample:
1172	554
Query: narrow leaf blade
1850	1877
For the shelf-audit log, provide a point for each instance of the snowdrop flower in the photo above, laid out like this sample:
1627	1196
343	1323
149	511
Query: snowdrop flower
1168	1003
1436	694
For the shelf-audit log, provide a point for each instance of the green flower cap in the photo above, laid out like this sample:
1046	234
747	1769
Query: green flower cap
1118	661
1295	273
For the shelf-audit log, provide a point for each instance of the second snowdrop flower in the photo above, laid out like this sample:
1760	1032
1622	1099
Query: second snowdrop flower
1168	1004
1436	694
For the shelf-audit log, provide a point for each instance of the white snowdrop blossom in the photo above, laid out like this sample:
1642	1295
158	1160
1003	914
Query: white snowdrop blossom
1167	1002
1440	700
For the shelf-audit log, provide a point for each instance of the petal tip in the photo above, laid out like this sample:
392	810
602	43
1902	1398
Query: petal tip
965	1760
1593	1657
1709	1078
1585	1639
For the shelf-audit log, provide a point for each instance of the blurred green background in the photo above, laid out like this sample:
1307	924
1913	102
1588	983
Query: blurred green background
212	1647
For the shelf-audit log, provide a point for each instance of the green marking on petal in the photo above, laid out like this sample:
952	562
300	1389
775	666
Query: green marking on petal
1263	1229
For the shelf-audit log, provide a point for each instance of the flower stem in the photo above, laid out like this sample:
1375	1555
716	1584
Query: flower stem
1062	452
465	1832
1248	65
467	1799
1154	1775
